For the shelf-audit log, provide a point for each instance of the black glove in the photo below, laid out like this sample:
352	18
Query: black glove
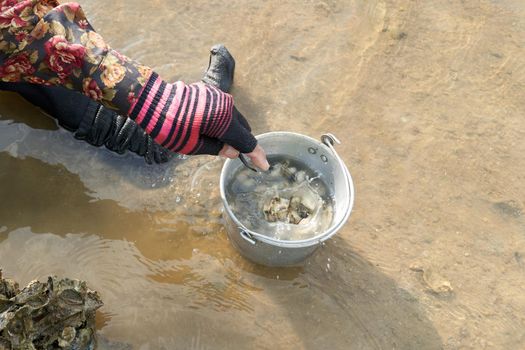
220	73
91	121
102	126
220	68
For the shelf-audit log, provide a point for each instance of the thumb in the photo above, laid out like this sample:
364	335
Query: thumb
258	157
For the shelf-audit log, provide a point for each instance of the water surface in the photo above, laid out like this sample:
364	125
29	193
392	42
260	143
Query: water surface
427	98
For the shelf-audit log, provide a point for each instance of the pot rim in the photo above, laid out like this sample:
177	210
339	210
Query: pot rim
332	230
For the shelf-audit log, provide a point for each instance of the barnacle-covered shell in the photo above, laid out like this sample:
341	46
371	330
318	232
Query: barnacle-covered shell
291	210
58	314
276	209
297	211
8	287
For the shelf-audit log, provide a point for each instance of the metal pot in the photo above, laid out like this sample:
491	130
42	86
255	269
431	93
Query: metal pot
320	157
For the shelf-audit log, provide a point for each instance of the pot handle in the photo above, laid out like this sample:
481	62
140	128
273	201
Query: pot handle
246	236
329	140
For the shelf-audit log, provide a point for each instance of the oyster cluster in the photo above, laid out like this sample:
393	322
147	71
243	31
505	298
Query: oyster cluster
295	208
289	202
57	314
291	211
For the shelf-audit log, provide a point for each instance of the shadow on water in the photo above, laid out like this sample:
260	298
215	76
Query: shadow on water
338	300
71	211
379	314
23	112
251	110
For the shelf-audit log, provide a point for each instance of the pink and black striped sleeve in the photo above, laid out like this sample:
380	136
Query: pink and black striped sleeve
178	116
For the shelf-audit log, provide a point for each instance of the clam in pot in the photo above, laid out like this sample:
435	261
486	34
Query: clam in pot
318	156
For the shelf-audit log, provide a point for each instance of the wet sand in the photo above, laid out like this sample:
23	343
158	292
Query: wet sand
428	100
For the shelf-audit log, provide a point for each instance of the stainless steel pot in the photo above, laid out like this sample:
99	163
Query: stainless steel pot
320	157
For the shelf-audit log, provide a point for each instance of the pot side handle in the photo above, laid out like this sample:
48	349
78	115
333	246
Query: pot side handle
247	237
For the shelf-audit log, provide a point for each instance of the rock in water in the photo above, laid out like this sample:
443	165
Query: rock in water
58	314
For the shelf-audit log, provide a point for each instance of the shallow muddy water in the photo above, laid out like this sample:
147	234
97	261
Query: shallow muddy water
428	100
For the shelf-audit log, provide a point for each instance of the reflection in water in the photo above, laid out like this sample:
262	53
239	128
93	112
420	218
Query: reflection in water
16	109
427	99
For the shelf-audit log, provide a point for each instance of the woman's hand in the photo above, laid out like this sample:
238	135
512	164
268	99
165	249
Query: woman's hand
258	156
237	136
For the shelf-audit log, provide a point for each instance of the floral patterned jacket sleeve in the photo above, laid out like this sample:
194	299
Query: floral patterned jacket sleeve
44	42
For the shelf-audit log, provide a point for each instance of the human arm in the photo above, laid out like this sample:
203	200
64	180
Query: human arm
44	42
